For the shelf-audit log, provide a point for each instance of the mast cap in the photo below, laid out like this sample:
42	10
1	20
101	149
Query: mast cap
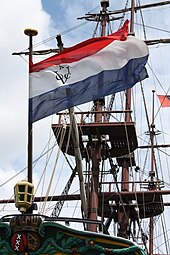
104	3
30	32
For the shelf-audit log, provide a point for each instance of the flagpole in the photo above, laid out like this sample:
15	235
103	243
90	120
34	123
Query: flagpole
30	33
128	92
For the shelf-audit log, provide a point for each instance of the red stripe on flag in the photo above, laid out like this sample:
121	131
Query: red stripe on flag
82	50
164	100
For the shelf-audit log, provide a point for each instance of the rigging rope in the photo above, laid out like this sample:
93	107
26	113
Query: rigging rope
143	25
47	158
124	13
167	245
155	28
54	168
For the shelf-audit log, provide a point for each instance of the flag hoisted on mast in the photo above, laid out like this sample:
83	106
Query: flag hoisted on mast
164	100
87	71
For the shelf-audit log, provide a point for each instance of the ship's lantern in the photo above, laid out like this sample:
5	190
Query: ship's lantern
23	193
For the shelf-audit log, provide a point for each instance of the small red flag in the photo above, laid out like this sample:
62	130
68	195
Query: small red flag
164	100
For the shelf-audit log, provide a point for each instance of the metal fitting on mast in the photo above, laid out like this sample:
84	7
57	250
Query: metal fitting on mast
104	3
30	32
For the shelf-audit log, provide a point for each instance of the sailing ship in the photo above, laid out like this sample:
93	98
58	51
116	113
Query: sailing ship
121	200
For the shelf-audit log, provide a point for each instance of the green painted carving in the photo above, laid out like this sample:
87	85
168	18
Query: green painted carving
57	238
6	228
5	248
73	245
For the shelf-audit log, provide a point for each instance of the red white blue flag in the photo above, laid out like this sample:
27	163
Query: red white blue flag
87	71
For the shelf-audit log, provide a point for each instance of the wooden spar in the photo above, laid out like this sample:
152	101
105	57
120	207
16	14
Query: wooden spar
136	8
48	51
78	157
152	175
157	41
30	32
154	146
111	196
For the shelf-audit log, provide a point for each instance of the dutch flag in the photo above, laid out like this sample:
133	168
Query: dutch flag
87	71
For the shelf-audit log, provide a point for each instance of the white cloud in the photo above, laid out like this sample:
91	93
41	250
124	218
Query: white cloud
15	16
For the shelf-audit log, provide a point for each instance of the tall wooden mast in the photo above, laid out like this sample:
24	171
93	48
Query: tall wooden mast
123	214
95	148
152	176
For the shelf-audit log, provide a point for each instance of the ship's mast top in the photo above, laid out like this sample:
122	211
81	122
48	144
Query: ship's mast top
103	17
104	3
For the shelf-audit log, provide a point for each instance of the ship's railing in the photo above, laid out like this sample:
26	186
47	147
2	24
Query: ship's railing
143	184
66	220
91	115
